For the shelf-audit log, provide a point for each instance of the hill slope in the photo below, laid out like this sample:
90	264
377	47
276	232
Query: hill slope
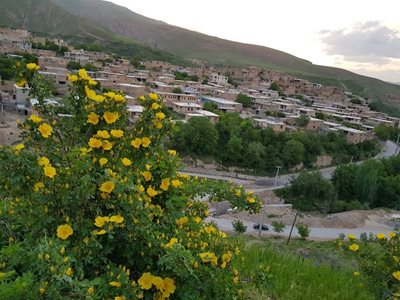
106	21
192	44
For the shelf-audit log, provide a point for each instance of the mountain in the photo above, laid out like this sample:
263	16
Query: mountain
106	21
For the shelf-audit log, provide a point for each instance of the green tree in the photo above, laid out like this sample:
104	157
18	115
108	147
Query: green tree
234	149
90	67
343	180
302	121
200	136
177	90
366	181
73	65
244	99
254	154
275	87
310	192
293	151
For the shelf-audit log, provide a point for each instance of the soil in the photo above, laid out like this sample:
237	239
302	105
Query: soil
9	131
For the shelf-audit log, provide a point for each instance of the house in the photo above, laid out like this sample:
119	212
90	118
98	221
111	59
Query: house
218	78
223	104
276	126
204	113
172	97
20	94
185	107
352	135
134	90
314	124
134	112
49	61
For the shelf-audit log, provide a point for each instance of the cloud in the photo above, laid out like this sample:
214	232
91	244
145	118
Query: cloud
370	42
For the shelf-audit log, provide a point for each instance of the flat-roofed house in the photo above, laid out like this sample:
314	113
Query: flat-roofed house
276	126
172	97
134	112
223	104
185	107
354	136
204	113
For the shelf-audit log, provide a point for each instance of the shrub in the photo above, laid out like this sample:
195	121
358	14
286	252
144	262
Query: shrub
278	226
378	260
304	230
239	227
92	209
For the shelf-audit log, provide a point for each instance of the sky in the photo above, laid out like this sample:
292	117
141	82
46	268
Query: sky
361	36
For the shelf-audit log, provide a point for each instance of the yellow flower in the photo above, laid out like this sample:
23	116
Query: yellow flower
158	282
119	98
103	134
35	119
171	243
126	162
356	274
101	221
392	234
147	175
354	247
155	106
117	219
82	74
119	298
69	272
115	283
107	187
176	183
251	200
101	232
165	184
49	171
235	280
110	117
90	291
136	143
95	143
93	118
43	161
107	145
172	152
351	237
142	98
168	286
153	96
160	115
45	130
396	275
146	142
151	192
182	221
90	93
19	147
92	82
110	95
38	186
117	133
64	231
380	236
42	291
32	67
209	257
146	281
103	161
22	83
72	78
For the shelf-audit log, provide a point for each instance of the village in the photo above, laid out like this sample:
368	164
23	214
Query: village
278	101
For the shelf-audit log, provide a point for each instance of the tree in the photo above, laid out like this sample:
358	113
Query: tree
275	87
278	227
213	107
73	65
90	67
234	150
366	181
303	230
302	121
201	137
254	153
293	151
177	90
131	227
343	180
320	115
244	99
310	192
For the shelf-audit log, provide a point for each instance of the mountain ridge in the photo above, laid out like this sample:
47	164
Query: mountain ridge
108	21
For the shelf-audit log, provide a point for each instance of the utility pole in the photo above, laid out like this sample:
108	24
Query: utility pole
398	146
276	175
2	121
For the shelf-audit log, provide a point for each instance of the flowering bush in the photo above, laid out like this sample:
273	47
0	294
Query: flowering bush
93	209
379	262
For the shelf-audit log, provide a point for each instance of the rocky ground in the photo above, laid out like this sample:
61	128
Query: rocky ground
9	131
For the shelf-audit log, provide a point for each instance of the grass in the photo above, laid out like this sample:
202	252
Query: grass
286	275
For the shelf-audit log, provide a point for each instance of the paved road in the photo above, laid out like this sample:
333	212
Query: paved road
268	183
315	234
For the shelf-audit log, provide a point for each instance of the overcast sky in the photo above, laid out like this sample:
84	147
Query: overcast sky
361	36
